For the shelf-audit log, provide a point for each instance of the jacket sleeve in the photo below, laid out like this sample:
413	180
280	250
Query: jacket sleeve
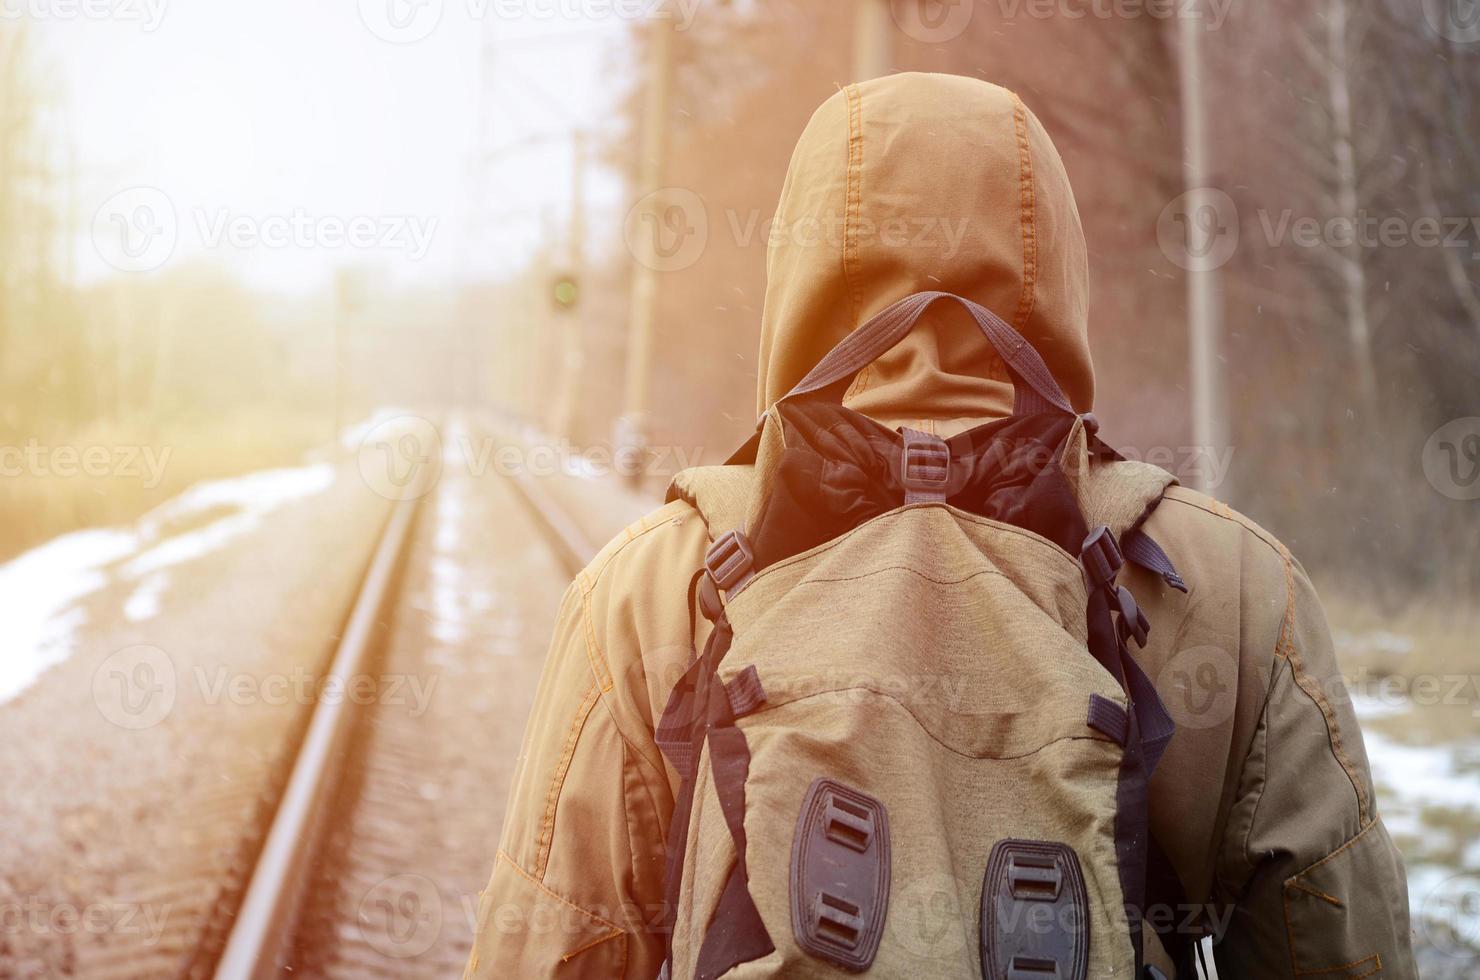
1318	888
577	885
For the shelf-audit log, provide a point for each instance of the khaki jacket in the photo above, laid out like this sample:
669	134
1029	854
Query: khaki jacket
1263	801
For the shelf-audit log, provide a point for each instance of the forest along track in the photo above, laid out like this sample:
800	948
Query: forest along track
390	885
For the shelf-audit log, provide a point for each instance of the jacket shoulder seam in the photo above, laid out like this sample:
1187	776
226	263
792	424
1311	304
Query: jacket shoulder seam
590	577
629	744
557	780
1285	647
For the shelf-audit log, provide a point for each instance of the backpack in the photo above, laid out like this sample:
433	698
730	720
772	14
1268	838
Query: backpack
915	742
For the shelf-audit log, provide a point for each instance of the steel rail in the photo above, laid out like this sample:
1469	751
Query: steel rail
265	919
570	543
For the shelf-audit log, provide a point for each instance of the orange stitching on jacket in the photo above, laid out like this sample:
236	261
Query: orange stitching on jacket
1285	647
854	204
1321	895
557	782
1291	883
1360	834
567	957
1376	958
597	659
1350	965
1285	643
590	579
1029	215
617	930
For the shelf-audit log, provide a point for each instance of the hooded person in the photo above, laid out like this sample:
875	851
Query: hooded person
1263	803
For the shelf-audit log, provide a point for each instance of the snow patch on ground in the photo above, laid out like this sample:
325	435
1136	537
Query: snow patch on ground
41	590
38	594
1412	779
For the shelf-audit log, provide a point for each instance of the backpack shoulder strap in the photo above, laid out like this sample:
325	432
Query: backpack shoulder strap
1120	494
721	494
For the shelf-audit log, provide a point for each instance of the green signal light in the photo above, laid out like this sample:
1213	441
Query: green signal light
566	293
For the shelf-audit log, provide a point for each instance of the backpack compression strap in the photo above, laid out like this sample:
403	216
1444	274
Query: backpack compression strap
1114	619
702	710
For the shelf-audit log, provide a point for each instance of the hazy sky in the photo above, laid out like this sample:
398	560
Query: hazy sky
289	137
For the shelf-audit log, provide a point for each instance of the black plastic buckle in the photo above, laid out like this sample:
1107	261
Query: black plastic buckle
927	466
729	561
1133	623
1101	557
1034	913
840	875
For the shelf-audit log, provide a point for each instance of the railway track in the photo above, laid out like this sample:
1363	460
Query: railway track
389	821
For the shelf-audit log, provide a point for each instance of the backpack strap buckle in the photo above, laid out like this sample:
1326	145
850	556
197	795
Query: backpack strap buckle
1133	623
925	467
730	562
1101	557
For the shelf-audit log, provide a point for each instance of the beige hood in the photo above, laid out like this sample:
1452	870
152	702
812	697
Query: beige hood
925	181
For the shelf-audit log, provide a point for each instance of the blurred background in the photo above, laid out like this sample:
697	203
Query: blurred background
236	238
